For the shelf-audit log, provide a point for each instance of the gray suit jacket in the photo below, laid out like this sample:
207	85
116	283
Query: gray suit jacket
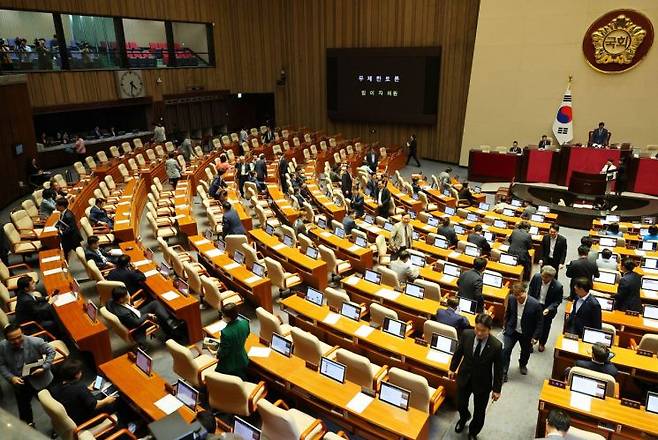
470	286
401	238
11	361
404	271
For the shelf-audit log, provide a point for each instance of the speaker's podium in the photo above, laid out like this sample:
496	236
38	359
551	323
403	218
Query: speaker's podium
587	184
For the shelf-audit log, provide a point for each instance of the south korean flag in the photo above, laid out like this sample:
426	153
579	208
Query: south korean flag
563	123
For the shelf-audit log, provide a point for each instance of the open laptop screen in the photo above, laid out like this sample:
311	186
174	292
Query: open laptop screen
244	430
394	395
606	304
451	269
492	279
432	221
650	263
652	402
502	224
441	242
650	311
592	336
417	260
394	327
467	305
449	210
443	343
143	361
608	242
187	394
650	284
281	345
606	277
312	252
332	369
508	259
587	385
351	310
314	296
472	251
258	269
414	290
372	276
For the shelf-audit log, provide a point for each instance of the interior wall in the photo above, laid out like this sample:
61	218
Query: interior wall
520	72
144	31
15	24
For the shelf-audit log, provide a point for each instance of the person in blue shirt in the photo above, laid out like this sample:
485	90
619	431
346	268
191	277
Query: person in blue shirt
99	216
652	235
613	230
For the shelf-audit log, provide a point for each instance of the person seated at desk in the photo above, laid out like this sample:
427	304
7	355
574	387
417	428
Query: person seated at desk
466	194
404	270
469	284
450	316
545	288
600	361
586	310
613	230
358	202
605	262
59	192
628	289
37	175
528	209
599	136
47	205
544	142
652	234
133	279
80	403
132	317
447	231
232	356
99	216
505	203
207	420
32	306
231	224
515	149
94	252
557	424
478	239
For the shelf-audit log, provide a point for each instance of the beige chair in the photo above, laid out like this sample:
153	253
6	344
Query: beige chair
102	156
95	274
80	169
125	174
127	335
19	246
360	370
8	301
270	323
422	396
251	255
431	290
649	342
308	347
581	434
216	298
287	423
336	298
192	369
150	154
231	395
431	326
9	275
335	266
283	280
114	152
389	278
91	163
378	313
163	231
104	289
125	146
31	208
234	243
612	388
65	427
104	239
383	257
304	242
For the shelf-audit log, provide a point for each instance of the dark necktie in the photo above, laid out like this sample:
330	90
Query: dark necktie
478	348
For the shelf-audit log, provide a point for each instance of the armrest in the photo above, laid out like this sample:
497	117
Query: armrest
379	376
437	399
208	365
96	420
122	433
146	322
281	404
331	351
259	389
21	265
311	428
193	347
138	302
410	328
633	344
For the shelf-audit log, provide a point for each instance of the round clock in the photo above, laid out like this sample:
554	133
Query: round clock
131	84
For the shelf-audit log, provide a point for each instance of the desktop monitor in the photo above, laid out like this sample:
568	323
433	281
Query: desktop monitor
164	269
394	327
652	402
339	232
510	260
650	311
543	209
587	385
492	279
472	251
281	345
432	221
468	306
369	219
143	361
476	190
221	245
238	257
441	242
332	369
508	212
351	310
443	343
451	269
649	245
187	394
312	252
537	218
244	430
606	277
413	214
415	196
415	235
414	290
611	218
592	336
446	192
648	220
360	241
269	229
388	226
607	304
472	217
322	223
449	210
459	229
288	241
650	284
484	206
500	224
394	395
489	236
258	269
418	260
92	310
607	242
372	276
534	230
517	203
314	296
650	263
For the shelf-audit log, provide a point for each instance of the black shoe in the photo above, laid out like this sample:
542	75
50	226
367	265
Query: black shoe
524	370
505	379
472	436
459	427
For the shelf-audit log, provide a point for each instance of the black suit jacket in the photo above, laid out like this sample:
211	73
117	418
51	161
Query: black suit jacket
589	315
261	170
484	372
452	318
544	144
559	251
606	368
553	296
480	242
382	209
520	242
231	223
600	136
469	286
90	255
371	160
346	185
68	229
358	205
449	233
530	321
283	166
581	267
628	292
133	279
29	308
126	316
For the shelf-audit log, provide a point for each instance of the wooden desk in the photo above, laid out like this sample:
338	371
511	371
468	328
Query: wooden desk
379	420
325	204
258	289
634	254
245	218
551	216
141	390
360	258
631	365
281	204
183	206
623	422
183	307
126	227
88	336
314	272
647	296
407	202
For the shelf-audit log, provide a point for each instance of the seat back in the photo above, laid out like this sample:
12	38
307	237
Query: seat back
335	298
140	160
378	312
104	289
419	394
227	394
610	329
102	157
581	434
304	242
151	155
125	146
109	181
358	368
86	226
268	324
431	326
234	242
114	151
63	425
275	272
649	342
12	234
431	291
211	294
250	255
113	322
22	220
94	272
306	346
91	163
610	388
80	169
277	422
389	277
193	279
5	299
183	362
31	209
329	257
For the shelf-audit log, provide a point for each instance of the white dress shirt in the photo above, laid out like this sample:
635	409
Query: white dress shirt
579	302
543	291
519	314
133	309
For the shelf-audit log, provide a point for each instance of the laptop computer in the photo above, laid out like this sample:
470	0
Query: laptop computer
312	252
372	276
449	210
467	306
492	279
351	310
443	343
414	290
281	345
314	296
394	327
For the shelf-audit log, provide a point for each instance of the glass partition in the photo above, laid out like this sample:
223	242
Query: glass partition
28	41
91	42
191	44
146	43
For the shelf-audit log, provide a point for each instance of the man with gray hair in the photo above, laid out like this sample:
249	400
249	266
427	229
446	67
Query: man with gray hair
548	291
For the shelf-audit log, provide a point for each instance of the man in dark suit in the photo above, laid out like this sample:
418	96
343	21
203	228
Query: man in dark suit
133	318
261	172
30	306
600	361
358	203
480	373
546	289
99	216
478	239
469	283
372	160
413	146
450	316
68	227
371	186
447	231
132	279
600	135
581	267
628	291
93	252
520	243
586	310
522	323
231	224
544	142
283	170
553	248
346	182
515	149
383	198
557	424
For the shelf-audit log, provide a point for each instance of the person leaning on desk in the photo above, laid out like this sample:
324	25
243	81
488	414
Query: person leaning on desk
232	356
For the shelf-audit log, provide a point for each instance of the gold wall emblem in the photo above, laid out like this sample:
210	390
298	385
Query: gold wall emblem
618	41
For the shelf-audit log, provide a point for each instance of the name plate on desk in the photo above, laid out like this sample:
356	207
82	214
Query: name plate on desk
630	403
557	383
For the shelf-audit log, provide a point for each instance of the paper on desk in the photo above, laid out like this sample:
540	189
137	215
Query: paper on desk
64	298
466	223
121	222
352	281
325	234
231	266
202	241
650	293
570	345
278	246
581	401
650	322
640	252
447	279
331	318
50	229
503	247
216	327
179	216
454	254
252	279
52	271
259	352
123	203
141	263
388	294
49	259
359	402
354	248
170	295
214	253
438	356
115	252
126	214
168	404
364	331
151	272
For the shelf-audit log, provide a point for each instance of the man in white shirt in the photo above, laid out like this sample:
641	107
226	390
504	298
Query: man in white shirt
610	171
404	270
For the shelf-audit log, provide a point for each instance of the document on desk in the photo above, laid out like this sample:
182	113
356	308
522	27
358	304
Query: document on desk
64	298
141	263
454	254
388	294
364	331
259	352
447	279
216	327
278	246
331	318
352	281
151	273
438	356
640	252
570	345
214	253
581	401
179	216
231	266
648	322
359	403
325	234
354	248
202	241
503	247
252	279
52	271
123	203
168	404
49	259
121	222
115	252
170	295
49	229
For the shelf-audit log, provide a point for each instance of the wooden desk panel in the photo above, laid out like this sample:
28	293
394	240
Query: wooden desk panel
360	258
183	206
406	201
281	204
126	227
325	204
245	218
